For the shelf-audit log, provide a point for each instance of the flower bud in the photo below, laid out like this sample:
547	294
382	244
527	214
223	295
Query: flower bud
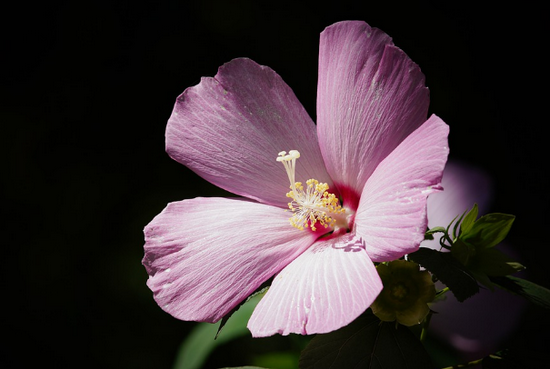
406	294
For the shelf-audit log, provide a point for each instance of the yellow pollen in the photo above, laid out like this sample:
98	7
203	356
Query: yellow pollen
312	204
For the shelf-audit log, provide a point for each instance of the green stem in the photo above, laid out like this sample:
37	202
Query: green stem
426	323
425	326
474	362
442	292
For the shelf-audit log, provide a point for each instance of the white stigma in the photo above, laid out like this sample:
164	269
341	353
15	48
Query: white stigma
289	162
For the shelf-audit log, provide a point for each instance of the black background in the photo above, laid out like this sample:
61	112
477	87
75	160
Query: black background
87	88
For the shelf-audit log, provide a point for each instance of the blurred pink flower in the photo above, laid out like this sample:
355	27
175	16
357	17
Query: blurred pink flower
477	326
372	148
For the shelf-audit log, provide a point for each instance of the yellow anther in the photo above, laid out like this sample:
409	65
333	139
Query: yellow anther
311	205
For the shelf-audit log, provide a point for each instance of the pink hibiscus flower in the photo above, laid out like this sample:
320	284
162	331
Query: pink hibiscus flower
371	161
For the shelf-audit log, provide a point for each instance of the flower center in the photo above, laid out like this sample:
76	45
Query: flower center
398	291
312	204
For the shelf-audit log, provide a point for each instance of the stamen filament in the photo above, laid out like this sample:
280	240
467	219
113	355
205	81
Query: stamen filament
312	205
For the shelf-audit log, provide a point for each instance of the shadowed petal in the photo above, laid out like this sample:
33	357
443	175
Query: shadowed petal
230	128
324	289
475	326
370	97
391	217
206	255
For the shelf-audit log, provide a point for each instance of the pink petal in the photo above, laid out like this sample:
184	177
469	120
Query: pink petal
206	255
463	187
324	289
391	217
230	128
370	97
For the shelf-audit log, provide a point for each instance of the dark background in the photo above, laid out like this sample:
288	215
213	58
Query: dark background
87	88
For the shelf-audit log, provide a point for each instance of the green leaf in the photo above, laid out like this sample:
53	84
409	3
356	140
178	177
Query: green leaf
493	262
469	220
449	270
279	359
533	292
259	291
462	251
489	230
429	235
366	343
202	340
243	367
483	279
